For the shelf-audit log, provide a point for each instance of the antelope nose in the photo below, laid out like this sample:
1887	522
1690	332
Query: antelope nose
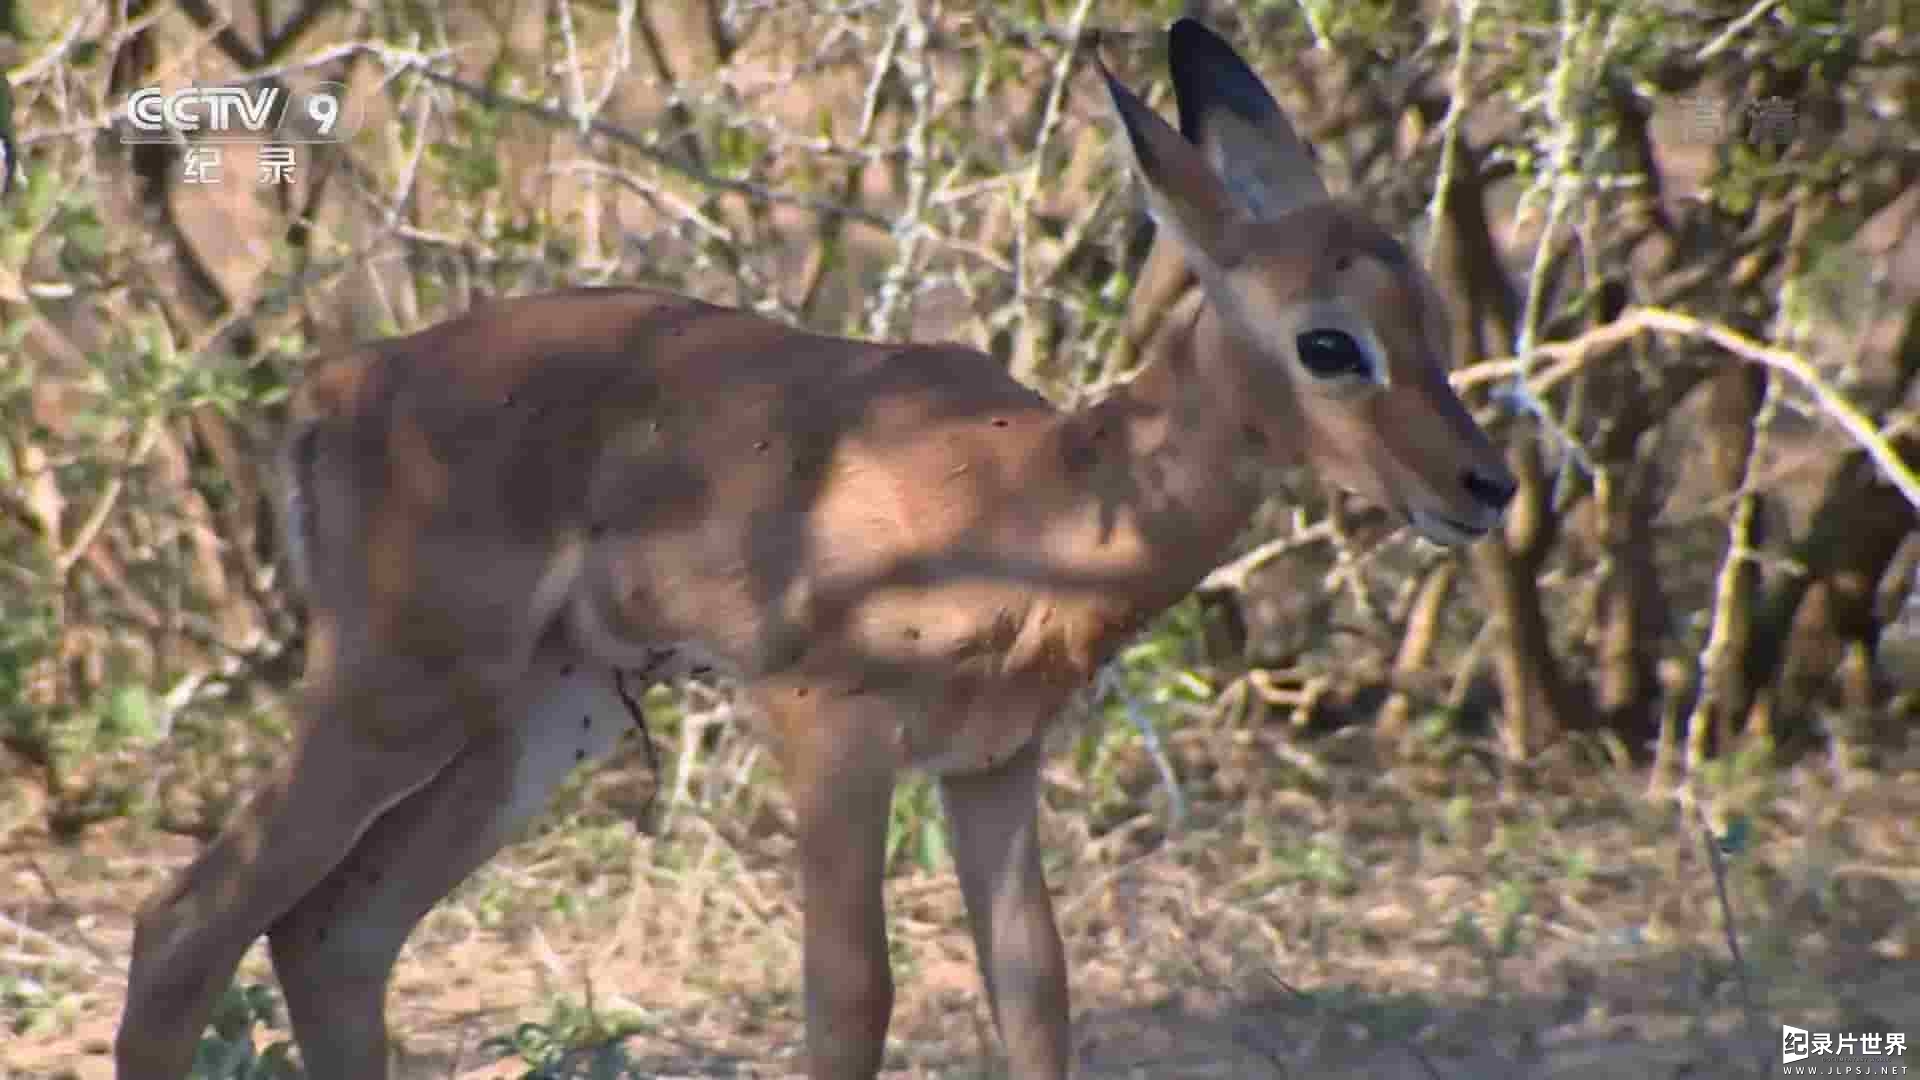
1495	489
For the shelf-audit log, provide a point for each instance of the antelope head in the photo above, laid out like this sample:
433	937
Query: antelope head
1338	342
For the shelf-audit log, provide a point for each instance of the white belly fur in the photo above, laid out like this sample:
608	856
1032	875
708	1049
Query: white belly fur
565	718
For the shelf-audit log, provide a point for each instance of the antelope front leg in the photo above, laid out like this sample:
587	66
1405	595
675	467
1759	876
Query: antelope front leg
842	795
995	819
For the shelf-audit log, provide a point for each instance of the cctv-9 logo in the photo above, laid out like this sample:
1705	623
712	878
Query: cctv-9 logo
227	114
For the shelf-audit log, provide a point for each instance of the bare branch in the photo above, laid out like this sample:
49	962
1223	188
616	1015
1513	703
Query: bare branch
1573	354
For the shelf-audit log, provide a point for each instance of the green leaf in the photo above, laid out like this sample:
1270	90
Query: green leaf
933	844
130	714
1737	837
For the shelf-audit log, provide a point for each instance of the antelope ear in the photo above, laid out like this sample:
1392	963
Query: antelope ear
1184	195
1227	111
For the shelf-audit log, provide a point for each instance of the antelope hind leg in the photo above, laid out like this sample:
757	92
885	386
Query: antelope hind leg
344	770
334	952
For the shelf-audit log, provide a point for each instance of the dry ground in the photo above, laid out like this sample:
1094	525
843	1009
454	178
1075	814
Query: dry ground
1432	919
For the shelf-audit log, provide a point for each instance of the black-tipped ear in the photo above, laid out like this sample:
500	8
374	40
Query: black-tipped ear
1184	193
1136	120
1227	112
1208	74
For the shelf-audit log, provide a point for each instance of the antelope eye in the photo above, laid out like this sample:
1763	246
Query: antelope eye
1331	354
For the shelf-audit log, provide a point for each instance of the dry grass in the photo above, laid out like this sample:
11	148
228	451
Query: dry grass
1324	913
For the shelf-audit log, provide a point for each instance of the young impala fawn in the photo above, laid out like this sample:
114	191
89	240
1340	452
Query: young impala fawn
906	559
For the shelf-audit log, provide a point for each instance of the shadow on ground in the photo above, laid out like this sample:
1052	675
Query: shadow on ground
1381	920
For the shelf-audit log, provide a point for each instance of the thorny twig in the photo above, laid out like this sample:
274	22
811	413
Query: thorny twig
1111	683
1564	181
1029	189
1465	13
908	230
1710	839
